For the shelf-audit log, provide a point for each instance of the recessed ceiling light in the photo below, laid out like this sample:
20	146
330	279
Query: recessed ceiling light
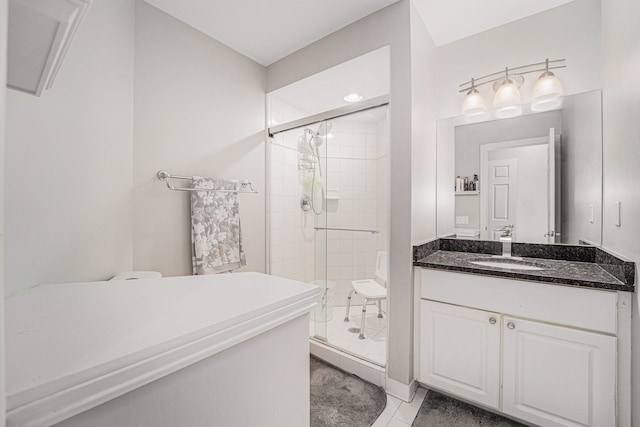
353	97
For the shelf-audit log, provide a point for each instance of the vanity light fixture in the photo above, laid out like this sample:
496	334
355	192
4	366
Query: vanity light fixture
353	97
547	91
507	100
473	103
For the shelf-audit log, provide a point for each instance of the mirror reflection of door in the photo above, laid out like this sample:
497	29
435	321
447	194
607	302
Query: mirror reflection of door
553	193
520	189
503	193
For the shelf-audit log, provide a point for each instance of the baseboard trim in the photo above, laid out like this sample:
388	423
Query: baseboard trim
356	366
400	390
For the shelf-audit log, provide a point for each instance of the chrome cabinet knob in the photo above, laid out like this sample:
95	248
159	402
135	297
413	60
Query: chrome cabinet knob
511	325
492	320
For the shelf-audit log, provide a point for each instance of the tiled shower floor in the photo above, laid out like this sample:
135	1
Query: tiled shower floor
373	347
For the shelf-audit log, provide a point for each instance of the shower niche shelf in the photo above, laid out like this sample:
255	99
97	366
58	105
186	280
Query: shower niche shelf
333	194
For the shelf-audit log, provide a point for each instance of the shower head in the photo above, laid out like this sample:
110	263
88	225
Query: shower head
324	128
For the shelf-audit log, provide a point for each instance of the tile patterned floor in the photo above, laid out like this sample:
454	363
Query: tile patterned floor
373	347
398	413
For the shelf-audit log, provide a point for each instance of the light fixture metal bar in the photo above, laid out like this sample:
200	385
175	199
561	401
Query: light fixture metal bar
516	68
476	84
478	80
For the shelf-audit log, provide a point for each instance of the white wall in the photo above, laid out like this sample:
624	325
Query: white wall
621	129
68	161
387	27
199	110
3	85
571	31
71	154
423	131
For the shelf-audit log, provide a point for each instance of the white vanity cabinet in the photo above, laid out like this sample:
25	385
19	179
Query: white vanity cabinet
558	376
468	365
542	353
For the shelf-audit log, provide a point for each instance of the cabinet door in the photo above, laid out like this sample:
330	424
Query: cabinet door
558	376
460	351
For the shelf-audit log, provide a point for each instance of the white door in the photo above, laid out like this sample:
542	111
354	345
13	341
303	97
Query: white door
503	183
460	351
558	376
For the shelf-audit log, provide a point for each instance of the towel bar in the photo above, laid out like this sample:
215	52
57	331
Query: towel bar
245	186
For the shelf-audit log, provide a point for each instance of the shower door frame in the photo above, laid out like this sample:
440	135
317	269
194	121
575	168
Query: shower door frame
369	104
347	110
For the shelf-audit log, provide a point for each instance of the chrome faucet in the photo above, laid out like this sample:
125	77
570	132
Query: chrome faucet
505	238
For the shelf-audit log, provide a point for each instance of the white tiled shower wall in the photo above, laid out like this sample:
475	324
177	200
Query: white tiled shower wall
352	170
356	170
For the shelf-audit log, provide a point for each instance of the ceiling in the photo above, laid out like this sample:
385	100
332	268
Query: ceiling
367	75
268	30
451	20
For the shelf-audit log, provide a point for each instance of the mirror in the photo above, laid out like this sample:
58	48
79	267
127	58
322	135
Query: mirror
538	175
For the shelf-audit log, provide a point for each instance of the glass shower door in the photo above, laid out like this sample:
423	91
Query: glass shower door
297	250
353	245
329	223
316	186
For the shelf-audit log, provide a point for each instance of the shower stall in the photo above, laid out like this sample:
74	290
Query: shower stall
329	220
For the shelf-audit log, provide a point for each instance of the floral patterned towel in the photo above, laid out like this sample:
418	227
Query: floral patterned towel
215	227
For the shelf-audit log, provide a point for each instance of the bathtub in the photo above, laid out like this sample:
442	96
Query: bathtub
227	350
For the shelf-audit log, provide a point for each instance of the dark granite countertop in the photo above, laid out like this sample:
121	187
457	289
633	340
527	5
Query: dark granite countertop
580	266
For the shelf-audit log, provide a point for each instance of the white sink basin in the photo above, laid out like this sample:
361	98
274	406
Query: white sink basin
511	264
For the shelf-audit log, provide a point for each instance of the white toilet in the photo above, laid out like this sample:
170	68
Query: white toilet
133	275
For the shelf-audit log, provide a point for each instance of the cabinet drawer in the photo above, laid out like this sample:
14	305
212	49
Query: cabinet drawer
581	308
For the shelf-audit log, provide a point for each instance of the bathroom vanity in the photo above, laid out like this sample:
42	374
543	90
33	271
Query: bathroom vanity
544	338
229	349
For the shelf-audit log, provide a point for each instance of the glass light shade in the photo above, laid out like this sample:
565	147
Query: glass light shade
473	104
546	93
546	105
508	111
507	100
